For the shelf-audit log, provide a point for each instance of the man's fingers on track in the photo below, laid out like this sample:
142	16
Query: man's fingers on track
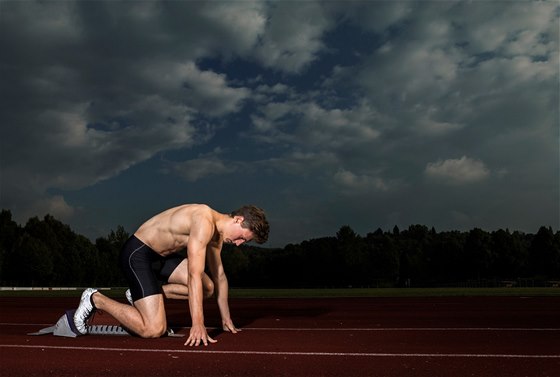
197	342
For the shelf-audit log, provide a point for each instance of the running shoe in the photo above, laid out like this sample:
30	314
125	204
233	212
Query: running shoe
129	297
84	311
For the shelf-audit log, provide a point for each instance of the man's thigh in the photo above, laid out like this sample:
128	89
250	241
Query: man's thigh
181	276
136	260
174	269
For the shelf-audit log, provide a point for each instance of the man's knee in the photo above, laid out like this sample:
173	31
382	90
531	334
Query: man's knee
208	288
153	331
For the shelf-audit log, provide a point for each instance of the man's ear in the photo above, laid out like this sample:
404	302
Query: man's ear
239	219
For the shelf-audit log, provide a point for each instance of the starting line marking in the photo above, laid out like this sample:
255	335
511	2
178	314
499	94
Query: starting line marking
287	353
398	329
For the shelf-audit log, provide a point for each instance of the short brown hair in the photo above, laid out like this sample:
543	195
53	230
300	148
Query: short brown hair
254	219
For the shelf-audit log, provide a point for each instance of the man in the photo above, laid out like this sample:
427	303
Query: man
202	231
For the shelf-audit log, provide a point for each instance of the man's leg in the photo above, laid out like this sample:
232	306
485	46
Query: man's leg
176	272
175	291
177	287
146	318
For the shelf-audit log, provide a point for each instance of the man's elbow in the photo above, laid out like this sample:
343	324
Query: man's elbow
195	276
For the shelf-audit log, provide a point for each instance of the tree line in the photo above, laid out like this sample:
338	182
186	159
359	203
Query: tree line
46	252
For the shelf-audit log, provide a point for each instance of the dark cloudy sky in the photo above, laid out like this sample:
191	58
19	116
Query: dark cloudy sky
369	114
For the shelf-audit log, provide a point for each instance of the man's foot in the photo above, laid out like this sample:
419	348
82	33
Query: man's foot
129	297
84	311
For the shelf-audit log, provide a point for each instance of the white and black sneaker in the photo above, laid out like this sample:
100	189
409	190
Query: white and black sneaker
128	296
84	311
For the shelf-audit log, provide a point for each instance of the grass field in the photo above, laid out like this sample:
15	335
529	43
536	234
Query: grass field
309	293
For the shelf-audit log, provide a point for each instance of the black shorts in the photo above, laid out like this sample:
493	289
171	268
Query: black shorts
146	270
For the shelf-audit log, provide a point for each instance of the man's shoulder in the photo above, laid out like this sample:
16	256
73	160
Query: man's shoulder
202	214
201	209
194	208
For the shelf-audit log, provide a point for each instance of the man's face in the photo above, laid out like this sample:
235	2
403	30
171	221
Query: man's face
236	234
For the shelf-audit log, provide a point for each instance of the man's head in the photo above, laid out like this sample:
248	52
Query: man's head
254	219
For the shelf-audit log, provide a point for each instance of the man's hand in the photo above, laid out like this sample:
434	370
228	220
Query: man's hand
197	335
228	325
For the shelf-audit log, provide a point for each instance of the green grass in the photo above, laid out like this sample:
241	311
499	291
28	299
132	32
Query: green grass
335	292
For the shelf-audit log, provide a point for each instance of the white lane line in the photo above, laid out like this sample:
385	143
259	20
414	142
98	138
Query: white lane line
347	328
286	353
400	329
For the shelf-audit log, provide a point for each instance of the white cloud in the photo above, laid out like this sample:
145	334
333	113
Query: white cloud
206	92
199	168
433	127
54	20
378	17
209	93
353	183
206	165
334	128
457	171
292	38
57	206
450	53
300	163
307	124
494	27
242	22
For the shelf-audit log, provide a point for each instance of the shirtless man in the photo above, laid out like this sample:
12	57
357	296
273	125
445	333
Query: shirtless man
202	231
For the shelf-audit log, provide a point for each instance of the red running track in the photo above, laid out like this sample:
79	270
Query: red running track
466	336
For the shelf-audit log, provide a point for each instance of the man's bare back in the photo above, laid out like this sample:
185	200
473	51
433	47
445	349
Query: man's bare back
169	231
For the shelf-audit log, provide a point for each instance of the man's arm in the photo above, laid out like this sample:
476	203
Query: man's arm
221	286
201	233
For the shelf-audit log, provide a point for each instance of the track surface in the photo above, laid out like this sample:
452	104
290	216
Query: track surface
472	336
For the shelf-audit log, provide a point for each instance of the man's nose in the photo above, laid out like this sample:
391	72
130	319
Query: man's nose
238	242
